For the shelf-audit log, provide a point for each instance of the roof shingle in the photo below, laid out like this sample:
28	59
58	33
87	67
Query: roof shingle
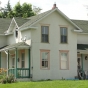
83	24
4	24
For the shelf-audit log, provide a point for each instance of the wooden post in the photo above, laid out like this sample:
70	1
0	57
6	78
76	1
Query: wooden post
29	61
16	56
7	62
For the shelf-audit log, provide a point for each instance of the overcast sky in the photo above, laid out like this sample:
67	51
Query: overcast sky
74	9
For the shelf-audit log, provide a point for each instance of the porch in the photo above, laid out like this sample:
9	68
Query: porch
17	60
82	59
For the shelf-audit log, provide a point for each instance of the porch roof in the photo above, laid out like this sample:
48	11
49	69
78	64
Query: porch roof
15	45
82	46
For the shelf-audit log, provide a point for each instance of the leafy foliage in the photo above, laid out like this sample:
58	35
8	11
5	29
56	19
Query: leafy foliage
25	10
17	10
4	78
7	11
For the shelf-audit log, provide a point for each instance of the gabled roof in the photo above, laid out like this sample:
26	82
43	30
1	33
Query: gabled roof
83	24
33	19
29	22
4	24
20	21
24	21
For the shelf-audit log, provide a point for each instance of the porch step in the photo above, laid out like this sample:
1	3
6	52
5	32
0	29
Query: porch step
23	79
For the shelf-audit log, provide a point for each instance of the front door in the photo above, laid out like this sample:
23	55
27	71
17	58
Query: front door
23	60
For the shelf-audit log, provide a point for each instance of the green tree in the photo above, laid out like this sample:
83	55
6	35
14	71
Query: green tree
8	10
27	10
24	10
17	10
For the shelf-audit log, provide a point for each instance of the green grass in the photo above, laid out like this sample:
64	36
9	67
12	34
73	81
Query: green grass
48	84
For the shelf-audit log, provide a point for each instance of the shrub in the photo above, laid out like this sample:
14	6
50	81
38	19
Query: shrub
11	79
3	75
4	79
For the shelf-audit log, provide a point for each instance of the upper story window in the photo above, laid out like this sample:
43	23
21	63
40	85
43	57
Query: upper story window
16	33
63	34
45	34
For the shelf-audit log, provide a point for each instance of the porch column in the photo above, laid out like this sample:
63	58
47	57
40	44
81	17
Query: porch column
29	61
7	62
0	59
82	62
16	62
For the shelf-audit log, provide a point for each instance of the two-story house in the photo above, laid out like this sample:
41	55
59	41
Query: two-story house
45	46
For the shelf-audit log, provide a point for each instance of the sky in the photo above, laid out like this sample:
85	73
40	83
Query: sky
73	9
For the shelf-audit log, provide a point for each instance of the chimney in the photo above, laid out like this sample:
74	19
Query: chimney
54	6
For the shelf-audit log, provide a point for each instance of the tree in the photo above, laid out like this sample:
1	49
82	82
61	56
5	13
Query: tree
7	11
17	10
27	10
24	10
1	10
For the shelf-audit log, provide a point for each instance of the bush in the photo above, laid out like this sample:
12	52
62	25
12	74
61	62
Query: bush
11	79
4	79
3	75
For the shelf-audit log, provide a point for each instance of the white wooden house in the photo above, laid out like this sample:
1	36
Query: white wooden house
45	46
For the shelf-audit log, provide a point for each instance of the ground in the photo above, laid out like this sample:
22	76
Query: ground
48	84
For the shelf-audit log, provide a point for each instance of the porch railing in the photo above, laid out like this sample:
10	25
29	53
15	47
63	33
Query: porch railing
21	72
11	71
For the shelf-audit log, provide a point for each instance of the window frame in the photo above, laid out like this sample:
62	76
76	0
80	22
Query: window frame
64	51
42	50
46	25
16	33
66	35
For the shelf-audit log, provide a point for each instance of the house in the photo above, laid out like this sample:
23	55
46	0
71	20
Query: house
46	46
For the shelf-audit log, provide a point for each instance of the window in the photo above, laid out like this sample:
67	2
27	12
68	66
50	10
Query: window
63	34
16	34
45	56
22	59
64	60
45	34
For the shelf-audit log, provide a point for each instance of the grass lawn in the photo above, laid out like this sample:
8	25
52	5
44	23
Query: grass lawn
48	84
